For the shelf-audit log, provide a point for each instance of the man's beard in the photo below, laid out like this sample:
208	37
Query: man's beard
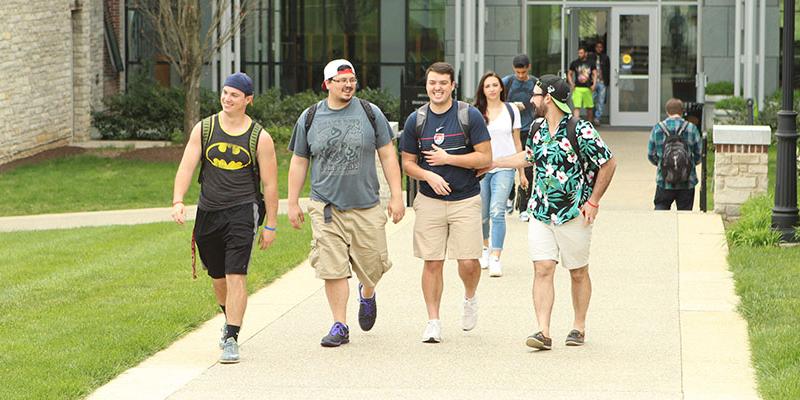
539	112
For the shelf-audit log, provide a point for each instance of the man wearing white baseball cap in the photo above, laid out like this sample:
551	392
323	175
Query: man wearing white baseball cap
337	138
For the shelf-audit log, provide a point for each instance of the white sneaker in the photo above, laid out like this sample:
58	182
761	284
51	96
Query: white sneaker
433	332
495	267
523	216
484	260
470	318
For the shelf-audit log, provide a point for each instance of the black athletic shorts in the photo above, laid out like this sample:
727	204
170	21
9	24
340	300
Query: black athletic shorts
225	239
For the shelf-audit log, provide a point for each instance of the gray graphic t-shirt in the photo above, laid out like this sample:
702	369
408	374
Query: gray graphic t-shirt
341	146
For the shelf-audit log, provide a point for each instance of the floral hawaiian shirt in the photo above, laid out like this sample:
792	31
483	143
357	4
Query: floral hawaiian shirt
560	185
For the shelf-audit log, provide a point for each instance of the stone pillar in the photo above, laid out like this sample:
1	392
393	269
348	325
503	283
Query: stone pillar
740	166
385	192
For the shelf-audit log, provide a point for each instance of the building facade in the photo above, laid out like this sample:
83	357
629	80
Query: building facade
60	57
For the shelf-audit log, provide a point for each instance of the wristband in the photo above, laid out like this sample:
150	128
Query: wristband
176	202
592	204
270	229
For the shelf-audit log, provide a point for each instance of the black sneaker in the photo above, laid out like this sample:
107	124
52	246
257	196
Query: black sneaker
539	341
339	335
575	338
367	311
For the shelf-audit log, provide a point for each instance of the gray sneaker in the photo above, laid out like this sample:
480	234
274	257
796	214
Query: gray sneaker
575	338
222	337
230	352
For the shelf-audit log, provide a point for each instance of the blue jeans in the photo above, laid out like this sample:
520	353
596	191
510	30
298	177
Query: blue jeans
495	188
599	97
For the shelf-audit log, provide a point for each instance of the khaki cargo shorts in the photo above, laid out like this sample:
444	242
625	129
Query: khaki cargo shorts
447	228
571	239
351	239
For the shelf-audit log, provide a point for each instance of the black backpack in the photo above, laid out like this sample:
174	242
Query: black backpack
676	162
572	136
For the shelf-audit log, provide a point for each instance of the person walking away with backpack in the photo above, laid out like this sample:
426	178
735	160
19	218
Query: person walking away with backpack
519	87
236	158
675	149
503	122
443	145
337	138
572	170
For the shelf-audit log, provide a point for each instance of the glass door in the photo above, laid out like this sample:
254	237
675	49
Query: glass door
634	60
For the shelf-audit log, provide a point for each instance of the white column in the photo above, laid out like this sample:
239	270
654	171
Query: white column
762	49
737	50
459	37
469	48
481	40
276	44
749	51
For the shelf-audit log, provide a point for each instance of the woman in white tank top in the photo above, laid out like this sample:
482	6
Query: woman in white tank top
503	122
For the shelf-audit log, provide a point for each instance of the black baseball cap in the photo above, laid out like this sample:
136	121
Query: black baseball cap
557	88
521	61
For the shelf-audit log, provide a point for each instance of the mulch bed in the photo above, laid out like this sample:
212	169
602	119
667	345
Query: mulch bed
170	154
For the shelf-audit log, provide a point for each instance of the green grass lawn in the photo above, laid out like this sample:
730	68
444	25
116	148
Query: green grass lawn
81	306
768	283
92	183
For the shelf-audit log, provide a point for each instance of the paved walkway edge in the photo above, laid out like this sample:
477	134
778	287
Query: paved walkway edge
715	346
172	368
103	218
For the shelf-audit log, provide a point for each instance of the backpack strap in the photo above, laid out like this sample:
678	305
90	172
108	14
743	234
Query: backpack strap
370	113
572	136
422	116
206	127
463	120
510	113
506	81
664	128
684	125
253	144
310	111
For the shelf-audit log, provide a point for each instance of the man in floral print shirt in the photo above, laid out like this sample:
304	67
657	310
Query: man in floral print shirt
564	203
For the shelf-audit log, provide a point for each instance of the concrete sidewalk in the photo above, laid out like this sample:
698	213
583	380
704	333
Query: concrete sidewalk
102	218
662	323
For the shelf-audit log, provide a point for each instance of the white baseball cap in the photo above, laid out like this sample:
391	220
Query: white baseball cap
335	68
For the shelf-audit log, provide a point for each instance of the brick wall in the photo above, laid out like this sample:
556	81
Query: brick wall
740	166
48	50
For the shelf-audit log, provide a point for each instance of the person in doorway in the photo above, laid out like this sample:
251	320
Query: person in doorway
582	77
675	149
503	122
602	65
337	138
231	208
518	88
572	172
444	142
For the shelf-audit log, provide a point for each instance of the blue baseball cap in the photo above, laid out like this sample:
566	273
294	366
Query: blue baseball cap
240	81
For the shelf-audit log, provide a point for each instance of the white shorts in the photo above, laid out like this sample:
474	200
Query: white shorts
571	239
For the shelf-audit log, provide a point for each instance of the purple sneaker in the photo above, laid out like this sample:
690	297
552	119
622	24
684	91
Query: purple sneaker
367	311
339	335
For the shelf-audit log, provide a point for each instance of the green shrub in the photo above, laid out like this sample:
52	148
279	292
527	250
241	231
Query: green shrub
754	226
387	102
280	134
772	104
719	88
147	111
731	103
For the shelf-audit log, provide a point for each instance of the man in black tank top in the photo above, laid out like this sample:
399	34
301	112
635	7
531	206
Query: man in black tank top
230	209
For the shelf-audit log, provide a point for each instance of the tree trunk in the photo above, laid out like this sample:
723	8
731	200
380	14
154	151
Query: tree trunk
191	84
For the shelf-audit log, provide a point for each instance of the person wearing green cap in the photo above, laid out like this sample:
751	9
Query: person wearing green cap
572	170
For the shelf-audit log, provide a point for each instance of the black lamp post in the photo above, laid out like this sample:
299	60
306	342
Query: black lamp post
784	214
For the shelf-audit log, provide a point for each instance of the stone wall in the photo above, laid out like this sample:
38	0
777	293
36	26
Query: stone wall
49	52
740	166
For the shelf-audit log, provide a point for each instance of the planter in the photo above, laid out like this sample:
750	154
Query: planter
713	98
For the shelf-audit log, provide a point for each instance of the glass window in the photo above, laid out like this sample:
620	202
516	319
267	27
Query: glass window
678	53
544	39
424	37
311	33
